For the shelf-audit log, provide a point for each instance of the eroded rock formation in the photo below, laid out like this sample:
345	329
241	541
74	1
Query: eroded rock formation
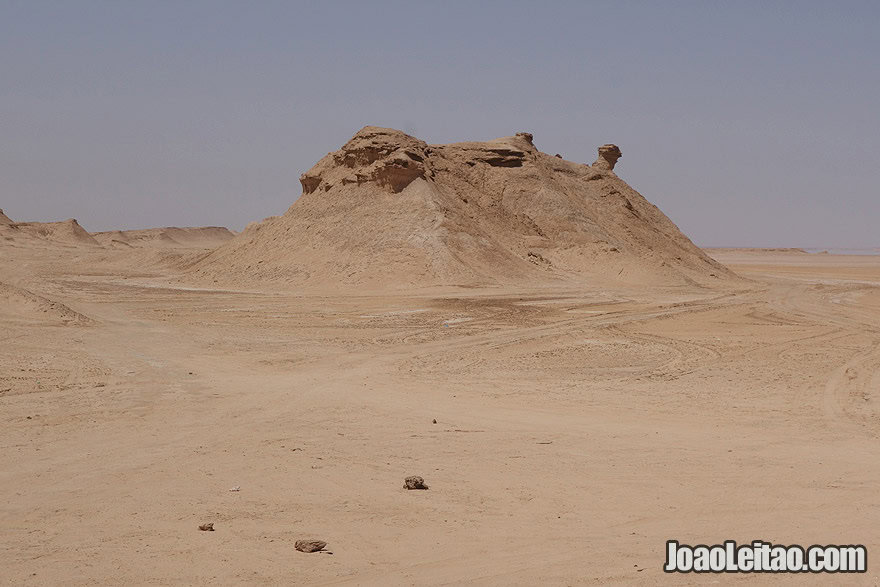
388	210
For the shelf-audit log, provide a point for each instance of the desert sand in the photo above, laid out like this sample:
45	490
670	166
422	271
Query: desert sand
569	415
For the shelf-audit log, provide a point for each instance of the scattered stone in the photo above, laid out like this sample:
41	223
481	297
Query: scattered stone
236	488
414	482
209	527
435	420
310	545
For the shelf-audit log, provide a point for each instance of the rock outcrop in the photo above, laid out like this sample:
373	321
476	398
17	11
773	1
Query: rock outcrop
388	210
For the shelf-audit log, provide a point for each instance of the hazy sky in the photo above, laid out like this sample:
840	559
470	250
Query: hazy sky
748	123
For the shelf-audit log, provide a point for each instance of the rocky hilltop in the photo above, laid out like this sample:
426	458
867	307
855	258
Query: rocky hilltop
388	210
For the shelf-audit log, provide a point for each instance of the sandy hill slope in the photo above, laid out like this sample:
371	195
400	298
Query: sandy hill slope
4	219
389	210
207	237
67	232
18	304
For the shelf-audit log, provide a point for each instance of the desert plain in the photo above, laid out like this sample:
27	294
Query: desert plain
565	431
576	430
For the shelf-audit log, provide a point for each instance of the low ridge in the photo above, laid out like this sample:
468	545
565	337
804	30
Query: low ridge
205	237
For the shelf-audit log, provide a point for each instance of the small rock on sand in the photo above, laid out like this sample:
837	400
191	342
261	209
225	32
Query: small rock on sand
309	545
209	527
414	482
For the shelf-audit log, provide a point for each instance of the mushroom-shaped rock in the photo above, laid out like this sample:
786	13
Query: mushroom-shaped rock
608	156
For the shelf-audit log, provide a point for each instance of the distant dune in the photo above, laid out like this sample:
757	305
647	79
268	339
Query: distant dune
170	237
67	232
793	250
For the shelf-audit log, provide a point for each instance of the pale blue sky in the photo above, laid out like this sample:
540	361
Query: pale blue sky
748	123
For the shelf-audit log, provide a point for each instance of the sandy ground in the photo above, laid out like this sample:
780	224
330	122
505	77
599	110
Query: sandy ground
576	430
